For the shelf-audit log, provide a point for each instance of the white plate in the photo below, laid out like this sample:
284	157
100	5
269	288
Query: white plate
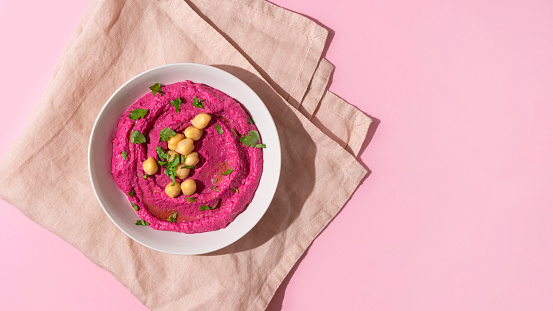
115	203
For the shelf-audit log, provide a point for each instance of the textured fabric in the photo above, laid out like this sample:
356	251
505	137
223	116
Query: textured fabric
278	54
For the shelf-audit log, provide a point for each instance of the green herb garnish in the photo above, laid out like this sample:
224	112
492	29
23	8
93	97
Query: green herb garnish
188	166
137	137
235	189
198	102
131	193
234	132
227	171
219	129
171	169
162	154
213	187
166	134
176	103
146	176
135	206
156	88
206	207
182	158
124	154
251	139
141	222
260	146
172	217
250	120
191	199
138	114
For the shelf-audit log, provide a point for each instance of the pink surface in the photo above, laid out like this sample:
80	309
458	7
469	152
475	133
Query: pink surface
458	211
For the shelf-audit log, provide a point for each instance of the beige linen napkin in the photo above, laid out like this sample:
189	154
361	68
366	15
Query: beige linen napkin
278	54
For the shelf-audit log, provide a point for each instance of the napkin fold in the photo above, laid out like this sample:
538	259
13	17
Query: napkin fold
278	54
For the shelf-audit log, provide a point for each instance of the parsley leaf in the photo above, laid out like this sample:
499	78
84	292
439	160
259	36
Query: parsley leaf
166	134
206	207
131	193
191	199
219	129
124	154
188	166
137	137
138	114
146	176
171	168
250	120
198	102
173	217
162	154
142	222
182	158
251	139
156	88
135	206
213	187
227	171
176	103
260	146
234	132
235	189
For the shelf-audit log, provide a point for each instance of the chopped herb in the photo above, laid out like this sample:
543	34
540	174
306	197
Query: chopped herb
173	217
141	222
135	206
251	139
191	199
188	166
219	129
137	137
176	103
162	154
171	169
166	134
131	193
198	102
146	176
162	163
235	189
156	88
138	114
234	132
260	146
227	171
124	154
206	207
250	120
182	158
213	187
217	190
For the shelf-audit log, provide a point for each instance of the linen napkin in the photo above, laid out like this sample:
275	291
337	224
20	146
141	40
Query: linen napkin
278	54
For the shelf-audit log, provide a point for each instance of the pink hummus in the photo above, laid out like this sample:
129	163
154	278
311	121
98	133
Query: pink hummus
230	193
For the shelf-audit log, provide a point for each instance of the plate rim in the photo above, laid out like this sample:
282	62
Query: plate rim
277	165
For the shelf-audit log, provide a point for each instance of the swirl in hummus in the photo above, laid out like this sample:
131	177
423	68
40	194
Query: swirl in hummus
226	175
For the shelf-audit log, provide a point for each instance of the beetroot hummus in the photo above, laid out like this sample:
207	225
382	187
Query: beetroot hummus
226	175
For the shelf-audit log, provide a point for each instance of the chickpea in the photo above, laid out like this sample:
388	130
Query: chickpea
150	166
193	133
188	187
192	159
182	173
172	155
173	190
185	146
201	120
173	141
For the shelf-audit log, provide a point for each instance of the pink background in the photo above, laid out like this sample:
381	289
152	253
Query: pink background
458	211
